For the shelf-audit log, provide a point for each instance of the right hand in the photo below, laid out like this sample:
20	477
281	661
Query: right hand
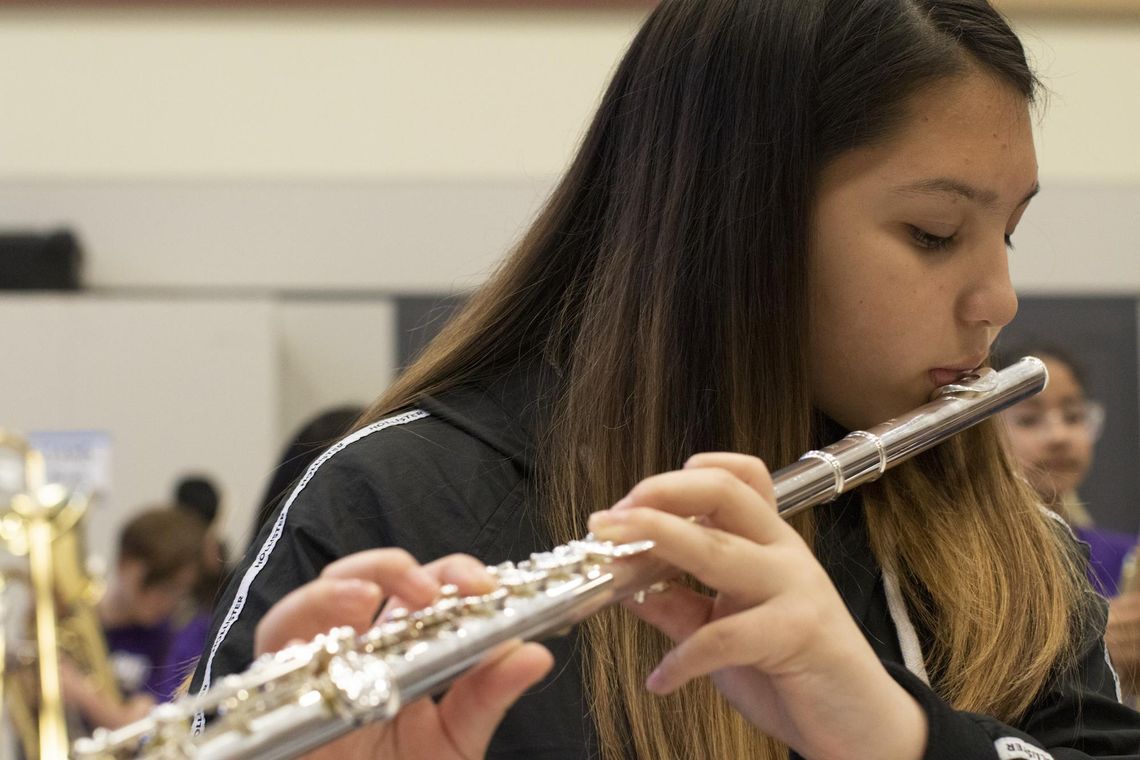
775	636
1123	640
349	592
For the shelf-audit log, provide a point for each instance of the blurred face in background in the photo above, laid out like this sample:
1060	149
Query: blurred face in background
148	604
1052	434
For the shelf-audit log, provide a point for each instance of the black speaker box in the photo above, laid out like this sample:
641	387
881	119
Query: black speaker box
48	261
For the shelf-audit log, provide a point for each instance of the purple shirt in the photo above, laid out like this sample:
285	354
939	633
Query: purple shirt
1107	551
156	659
187	648
138	653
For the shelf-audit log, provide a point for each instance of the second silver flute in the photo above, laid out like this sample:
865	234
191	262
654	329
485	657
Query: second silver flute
309	694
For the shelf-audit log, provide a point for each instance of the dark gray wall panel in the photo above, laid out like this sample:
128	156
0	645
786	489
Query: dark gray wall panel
418	319
1100	334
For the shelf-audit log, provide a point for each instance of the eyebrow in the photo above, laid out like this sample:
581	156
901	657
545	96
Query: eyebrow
985	198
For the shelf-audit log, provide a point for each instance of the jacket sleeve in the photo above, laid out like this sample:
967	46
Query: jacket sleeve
409	481
1078	716
309	530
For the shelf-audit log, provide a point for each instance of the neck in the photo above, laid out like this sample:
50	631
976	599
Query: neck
1073	509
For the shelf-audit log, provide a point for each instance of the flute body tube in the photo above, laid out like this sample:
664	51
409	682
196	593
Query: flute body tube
307	695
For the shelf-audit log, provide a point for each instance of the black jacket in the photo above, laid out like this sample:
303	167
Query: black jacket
453	476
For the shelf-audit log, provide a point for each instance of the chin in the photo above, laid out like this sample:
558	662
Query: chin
889	411
869	412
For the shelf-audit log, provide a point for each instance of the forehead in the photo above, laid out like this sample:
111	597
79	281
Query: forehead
1063	387
973	130
974	111
1063	381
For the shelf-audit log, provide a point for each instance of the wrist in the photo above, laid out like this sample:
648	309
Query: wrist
906	728
899	731
889	724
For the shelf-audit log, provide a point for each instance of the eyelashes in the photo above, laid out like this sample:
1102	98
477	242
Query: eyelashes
930	242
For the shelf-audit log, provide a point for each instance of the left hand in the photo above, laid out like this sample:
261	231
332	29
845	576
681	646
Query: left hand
776	637
98	708
457	727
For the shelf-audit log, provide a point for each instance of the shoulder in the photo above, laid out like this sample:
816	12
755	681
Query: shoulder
396	449
407	479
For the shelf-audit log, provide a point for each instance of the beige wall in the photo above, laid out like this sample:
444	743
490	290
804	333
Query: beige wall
398	94
358	94
182	385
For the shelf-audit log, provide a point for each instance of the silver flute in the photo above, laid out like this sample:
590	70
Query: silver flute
307	695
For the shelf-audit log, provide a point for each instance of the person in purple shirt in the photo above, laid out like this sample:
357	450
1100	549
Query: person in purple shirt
1053	435
159	560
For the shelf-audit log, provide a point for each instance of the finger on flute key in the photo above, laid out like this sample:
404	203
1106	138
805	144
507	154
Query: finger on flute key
736	566
715	494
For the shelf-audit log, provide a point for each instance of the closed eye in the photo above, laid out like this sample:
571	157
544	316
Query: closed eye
928	241
933	242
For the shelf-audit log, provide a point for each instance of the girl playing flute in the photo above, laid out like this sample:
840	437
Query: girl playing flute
788	219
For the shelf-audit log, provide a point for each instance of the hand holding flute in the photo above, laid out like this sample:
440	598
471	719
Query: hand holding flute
776	637
348	592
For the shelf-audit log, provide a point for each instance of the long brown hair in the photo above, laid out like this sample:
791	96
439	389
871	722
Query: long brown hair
665	283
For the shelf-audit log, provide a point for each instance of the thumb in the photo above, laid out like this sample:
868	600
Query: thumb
476	703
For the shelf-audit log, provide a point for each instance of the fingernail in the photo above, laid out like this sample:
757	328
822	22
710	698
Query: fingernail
656	682
607	527
606	517
423	581
356	588
478	579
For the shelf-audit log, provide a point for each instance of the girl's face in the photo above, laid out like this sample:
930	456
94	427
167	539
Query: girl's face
1052	434
909	278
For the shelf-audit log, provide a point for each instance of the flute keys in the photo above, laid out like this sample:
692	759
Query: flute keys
365	684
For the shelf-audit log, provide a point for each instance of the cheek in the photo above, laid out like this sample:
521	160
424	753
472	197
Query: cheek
1084	452
1022	446
872	294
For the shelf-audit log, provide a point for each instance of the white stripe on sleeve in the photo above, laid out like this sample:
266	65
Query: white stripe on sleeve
266	550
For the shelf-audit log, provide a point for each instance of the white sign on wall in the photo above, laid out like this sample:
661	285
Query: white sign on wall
77	459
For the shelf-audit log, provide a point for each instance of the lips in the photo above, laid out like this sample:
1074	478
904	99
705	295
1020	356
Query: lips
943	376
940	376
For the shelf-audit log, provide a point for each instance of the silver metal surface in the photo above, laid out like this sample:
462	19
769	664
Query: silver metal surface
864	455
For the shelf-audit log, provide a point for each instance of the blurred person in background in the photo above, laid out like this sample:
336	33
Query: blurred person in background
197	495
158	565
1053	435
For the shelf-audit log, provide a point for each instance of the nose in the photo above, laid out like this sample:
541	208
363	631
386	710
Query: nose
1054	430
988	298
